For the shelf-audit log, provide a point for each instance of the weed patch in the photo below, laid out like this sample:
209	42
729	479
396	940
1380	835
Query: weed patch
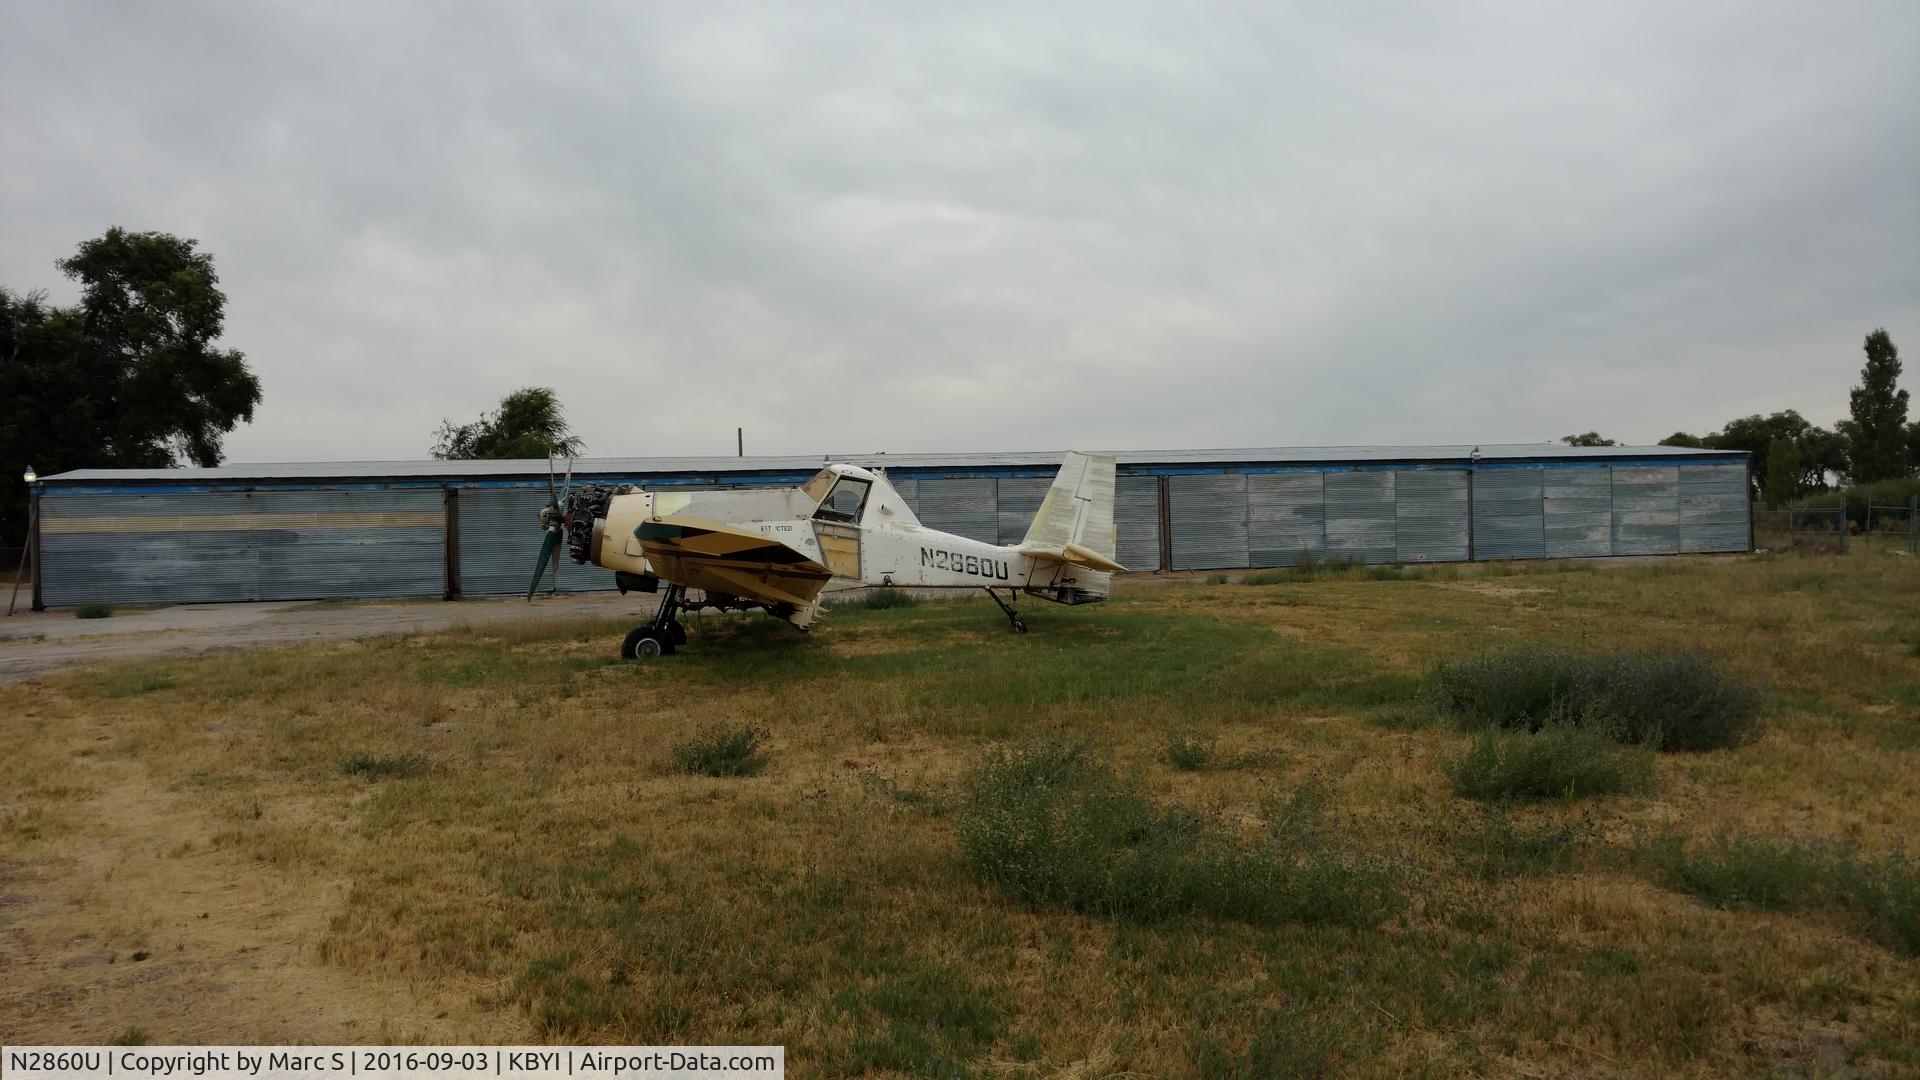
1561	762
1668	700
732	751
93	611
1053	827
1188	751
371	767
880	600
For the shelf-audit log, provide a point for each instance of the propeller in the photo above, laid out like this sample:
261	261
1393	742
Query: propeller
553	522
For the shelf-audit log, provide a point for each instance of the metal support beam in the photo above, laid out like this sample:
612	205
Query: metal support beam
1166	525
451	508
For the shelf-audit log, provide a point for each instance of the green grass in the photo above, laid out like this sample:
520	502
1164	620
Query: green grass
723	751
93	611
1189	750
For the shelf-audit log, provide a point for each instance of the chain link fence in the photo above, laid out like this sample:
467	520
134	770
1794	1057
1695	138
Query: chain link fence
1823	530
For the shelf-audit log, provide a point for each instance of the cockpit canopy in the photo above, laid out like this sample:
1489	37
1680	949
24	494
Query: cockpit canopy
840	493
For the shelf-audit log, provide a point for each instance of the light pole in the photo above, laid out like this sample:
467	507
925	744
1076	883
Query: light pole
28	550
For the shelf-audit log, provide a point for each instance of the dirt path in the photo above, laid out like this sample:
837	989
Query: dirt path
138	919
37	645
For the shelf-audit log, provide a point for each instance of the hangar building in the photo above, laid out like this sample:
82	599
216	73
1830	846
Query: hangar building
452	528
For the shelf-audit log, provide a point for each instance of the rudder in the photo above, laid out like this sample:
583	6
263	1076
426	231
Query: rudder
1078	508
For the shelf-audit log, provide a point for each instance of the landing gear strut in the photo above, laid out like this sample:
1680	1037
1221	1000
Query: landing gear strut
661	636
1013	617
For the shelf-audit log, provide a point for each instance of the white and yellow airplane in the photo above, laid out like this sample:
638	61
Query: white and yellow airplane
778	548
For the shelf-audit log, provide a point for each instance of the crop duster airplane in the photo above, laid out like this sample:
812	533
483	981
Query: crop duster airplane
777	548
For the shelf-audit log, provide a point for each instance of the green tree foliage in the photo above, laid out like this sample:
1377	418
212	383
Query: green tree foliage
128	378
1591	438
1681	438
528	424
1784	460
1879	428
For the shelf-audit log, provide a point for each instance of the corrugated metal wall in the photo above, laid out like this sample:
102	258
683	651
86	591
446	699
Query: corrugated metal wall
202	547
964	506
1430	515
1578	507
1508	516
1286	517
225	546
1136	522
1646	510
1209	518
1360	516
500	541
1713	508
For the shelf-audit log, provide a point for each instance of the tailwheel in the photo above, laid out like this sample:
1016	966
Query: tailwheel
1013	619
1018	626
646	643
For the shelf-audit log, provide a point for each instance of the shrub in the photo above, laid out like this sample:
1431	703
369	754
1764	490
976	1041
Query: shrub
1216	579
723	752
371	767
1188	750
1855	499
1559	762
93	611
1508	847
1668	700
1053	827
1779	874
882	599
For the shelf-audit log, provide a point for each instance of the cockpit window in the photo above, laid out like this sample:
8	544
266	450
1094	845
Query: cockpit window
848	499
821	483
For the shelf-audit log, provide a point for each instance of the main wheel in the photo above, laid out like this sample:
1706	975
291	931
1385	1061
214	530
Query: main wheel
645	643
1018	626
679	632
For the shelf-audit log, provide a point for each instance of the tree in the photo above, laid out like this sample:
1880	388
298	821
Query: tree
528	424
129	378
1591	438
1681	438
1784	460
1879	431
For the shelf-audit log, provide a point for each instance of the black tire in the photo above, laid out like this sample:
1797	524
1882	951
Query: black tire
679	632
1018	626
645	643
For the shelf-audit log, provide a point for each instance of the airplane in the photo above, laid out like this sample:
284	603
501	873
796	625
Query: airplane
776	549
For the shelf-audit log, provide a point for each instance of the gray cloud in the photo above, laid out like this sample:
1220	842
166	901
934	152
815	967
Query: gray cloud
885	227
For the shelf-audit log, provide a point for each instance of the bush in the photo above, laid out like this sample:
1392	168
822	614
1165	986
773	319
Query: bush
1559	762
1053	827
885	598
723	752
1667	700
1507	847
372	767
1779	875
1188	750
1894	492
93	611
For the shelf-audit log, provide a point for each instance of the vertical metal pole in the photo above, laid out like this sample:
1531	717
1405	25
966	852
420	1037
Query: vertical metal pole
1470	471
450	508
36	547
1166	524
740	442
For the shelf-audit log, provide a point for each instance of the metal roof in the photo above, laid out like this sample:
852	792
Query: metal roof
432	469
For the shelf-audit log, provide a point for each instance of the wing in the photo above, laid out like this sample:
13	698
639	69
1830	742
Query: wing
730	559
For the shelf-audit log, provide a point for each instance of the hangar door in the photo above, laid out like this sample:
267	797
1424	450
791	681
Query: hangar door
500	542
225	546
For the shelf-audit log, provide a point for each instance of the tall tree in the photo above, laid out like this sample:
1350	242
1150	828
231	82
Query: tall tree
1879	450
1681	438
1784	460
130	377
528	424
1591	438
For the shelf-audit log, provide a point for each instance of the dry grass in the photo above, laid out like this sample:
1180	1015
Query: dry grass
540	868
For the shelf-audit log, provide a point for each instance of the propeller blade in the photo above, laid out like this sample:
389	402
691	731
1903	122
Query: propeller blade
551	541
566	486
551	497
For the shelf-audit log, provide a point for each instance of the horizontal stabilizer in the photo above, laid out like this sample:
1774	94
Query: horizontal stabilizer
1075	554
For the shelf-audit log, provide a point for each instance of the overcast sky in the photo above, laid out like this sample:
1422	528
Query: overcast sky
950	227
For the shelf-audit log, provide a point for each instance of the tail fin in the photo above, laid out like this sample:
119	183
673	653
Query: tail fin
1076	518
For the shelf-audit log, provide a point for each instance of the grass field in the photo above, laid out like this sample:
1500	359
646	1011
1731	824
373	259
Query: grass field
502	834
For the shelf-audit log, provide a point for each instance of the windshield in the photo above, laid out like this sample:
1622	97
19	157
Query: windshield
848	498
821	483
